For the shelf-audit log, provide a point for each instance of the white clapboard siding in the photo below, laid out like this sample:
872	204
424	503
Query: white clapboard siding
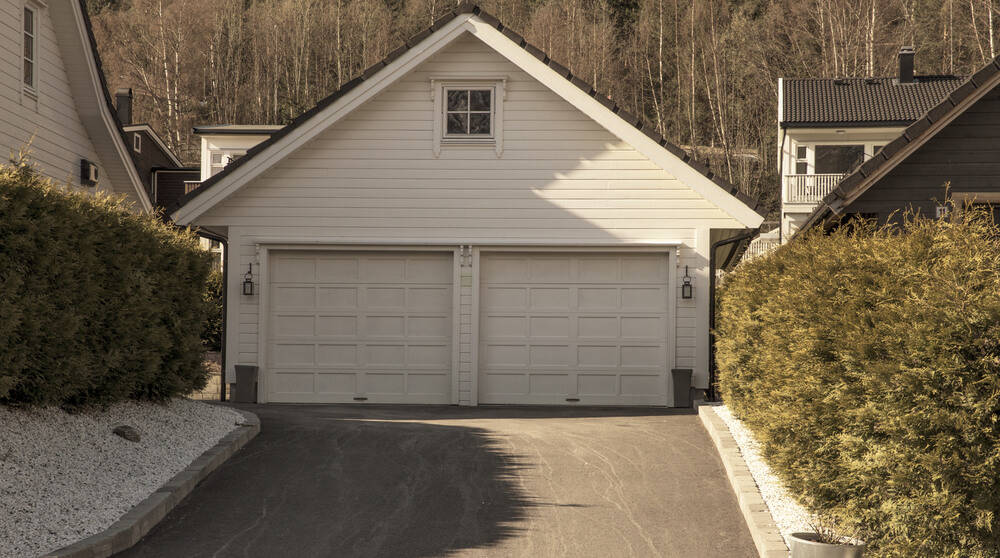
561	179
49	126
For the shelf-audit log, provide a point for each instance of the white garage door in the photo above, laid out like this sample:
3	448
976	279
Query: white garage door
573	329
369	327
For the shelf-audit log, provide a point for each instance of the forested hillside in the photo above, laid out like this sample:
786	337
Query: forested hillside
703	71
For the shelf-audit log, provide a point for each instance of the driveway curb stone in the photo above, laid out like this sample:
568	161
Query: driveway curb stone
134	525
766	536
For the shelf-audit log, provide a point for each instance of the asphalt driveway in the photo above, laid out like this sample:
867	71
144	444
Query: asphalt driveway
404	482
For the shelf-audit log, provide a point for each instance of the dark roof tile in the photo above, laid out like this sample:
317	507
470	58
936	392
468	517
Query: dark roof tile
582	85
560	69
372	70
535	51
914	130
514	36
986	72
878	101
894	146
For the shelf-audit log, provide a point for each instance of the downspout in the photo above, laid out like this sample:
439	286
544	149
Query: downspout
749	234
225	304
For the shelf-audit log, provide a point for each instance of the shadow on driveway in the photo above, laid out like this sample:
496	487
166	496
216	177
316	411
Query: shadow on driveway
409	482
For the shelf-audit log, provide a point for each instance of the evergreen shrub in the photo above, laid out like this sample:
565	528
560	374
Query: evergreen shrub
867	363
97	303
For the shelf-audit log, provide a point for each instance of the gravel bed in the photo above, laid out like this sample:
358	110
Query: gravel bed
65	477
787	513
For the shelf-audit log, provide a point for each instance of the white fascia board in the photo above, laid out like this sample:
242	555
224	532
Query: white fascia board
113	134
614	124
284	147
156	138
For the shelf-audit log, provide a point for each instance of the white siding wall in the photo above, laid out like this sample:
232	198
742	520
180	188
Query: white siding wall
51	123
561	179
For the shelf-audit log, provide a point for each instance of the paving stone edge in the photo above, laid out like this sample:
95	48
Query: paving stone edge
766	536
134	525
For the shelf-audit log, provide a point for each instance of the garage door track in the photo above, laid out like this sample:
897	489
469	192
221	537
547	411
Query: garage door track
343	481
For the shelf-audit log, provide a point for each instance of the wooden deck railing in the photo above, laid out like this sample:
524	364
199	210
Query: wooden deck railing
809	188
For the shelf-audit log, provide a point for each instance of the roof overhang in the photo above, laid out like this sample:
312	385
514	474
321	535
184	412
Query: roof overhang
93	103
508	44
913	138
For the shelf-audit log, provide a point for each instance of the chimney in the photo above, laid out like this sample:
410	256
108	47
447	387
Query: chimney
123	105
906	64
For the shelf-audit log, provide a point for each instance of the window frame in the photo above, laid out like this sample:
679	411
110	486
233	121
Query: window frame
440	85
469	137
137	142
228	156
31	89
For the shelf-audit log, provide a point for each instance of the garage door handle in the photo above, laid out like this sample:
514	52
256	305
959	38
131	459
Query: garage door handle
361	399
573	399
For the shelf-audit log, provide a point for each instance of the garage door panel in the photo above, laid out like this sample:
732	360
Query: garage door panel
385	298
334	269
337	298
587	328
349	326
338	383
287	297
336	326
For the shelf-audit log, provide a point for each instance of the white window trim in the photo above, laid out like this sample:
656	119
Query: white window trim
30	90
441	84
228	156
137	142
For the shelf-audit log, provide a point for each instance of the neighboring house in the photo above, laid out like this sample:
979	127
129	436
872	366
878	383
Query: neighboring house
951	151
827	127
224	143
466	223
54	98
160	169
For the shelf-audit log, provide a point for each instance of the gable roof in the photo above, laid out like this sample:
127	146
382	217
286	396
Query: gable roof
866	175
815	103
156	139
89	91
484	24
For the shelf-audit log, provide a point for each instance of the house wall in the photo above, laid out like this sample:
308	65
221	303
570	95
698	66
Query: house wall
966	154
50	122
561	179
170	185
149	157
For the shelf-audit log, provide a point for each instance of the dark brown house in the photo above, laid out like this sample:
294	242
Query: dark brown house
162	173
952	151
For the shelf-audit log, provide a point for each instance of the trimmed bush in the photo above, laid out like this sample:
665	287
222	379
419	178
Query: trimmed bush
97	303
211	337
867	362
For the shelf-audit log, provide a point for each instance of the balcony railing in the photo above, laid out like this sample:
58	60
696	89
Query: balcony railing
809	188
191	185
760	246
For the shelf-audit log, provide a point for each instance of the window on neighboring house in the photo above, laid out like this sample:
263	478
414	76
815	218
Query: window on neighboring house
219	160
137	142
801	160
876	149
468	113
992	208
838	159
30	49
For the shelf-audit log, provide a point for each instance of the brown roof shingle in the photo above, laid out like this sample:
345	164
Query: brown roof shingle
858	101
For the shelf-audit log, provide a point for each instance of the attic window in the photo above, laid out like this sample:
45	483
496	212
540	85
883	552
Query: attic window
468	113
136	142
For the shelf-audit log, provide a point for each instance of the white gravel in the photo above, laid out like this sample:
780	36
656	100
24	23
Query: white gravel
64	477
790	516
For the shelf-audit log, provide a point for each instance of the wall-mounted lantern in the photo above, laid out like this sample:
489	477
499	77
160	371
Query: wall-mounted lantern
248	281
687	290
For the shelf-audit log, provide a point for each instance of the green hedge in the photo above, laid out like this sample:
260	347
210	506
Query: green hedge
867	362
211	337
98	303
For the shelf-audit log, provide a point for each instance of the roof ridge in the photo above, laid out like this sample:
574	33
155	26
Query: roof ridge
471	8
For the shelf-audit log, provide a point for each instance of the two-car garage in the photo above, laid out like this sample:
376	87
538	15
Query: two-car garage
549	327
